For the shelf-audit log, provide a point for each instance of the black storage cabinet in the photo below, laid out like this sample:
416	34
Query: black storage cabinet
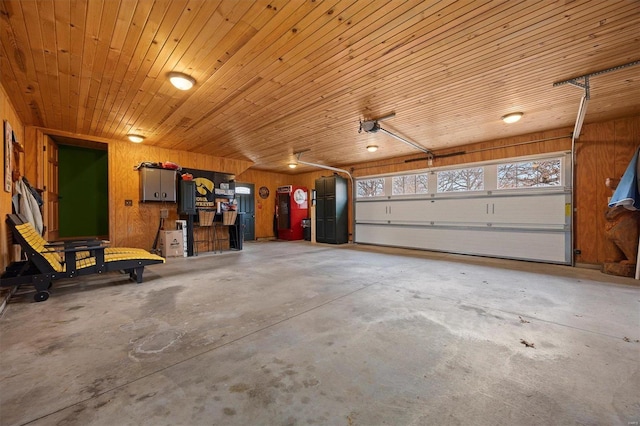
187	209
236	233
332	225
187	195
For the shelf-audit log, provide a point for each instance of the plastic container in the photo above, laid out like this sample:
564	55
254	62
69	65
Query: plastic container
306	229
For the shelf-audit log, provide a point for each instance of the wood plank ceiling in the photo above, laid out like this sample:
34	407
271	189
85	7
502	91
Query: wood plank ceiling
279	76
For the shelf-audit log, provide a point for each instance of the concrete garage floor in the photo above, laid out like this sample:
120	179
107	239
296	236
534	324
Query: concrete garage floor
291	333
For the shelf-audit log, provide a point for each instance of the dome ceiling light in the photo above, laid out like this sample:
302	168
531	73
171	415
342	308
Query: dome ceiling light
512	117
181	81
372	148
135	138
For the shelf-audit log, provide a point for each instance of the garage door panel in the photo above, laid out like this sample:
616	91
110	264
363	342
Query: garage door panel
539	209
516	226
371	211
523	211
545	246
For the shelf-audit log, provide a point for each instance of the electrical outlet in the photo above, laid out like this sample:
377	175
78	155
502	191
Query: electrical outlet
128	203
164	213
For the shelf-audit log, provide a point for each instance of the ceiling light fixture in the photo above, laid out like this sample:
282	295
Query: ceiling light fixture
181	81
293	165
512	117
135	138
372	148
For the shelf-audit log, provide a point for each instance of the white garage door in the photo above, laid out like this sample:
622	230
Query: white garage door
517	209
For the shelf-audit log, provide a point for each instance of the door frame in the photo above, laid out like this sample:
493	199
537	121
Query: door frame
42	138
252	195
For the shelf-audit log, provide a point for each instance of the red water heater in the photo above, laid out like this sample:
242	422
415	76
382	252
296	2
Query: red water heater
291	207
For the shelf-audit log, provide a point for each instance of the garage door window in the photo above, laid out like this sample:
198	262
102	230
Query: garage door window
530	174
457	180
410	184
509	175
371	187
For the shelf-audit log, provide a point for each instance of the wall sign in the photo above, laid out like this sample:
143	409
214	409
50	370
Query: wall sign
205	188
210	186
300	196
264	192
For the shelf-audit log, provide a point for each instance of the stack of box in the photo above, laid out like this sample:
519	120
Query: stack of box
172	243
182	225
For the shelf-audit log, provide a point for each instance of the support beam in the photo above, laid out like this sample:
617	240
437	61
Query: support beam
608	70
408	142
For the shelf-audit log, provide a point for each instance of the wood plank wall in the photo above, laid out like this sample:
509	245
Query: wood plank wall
7	112
603	150
484	151
265	208
136	225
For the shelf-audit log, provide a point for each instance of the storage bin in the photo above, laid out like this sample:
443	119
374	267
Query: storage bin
205	217
229	217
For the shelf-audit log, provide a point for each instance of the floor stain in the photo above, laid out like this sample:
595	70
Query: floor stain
146	396
528	344
240	387
310	383
157	342
73	308
96	387
479	311
67	321
162	300
73	417
278	381
52	347
101	404
261	393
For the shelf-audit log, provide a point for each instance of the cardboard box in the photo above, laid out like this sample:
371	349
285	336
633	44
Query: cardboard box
172	243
